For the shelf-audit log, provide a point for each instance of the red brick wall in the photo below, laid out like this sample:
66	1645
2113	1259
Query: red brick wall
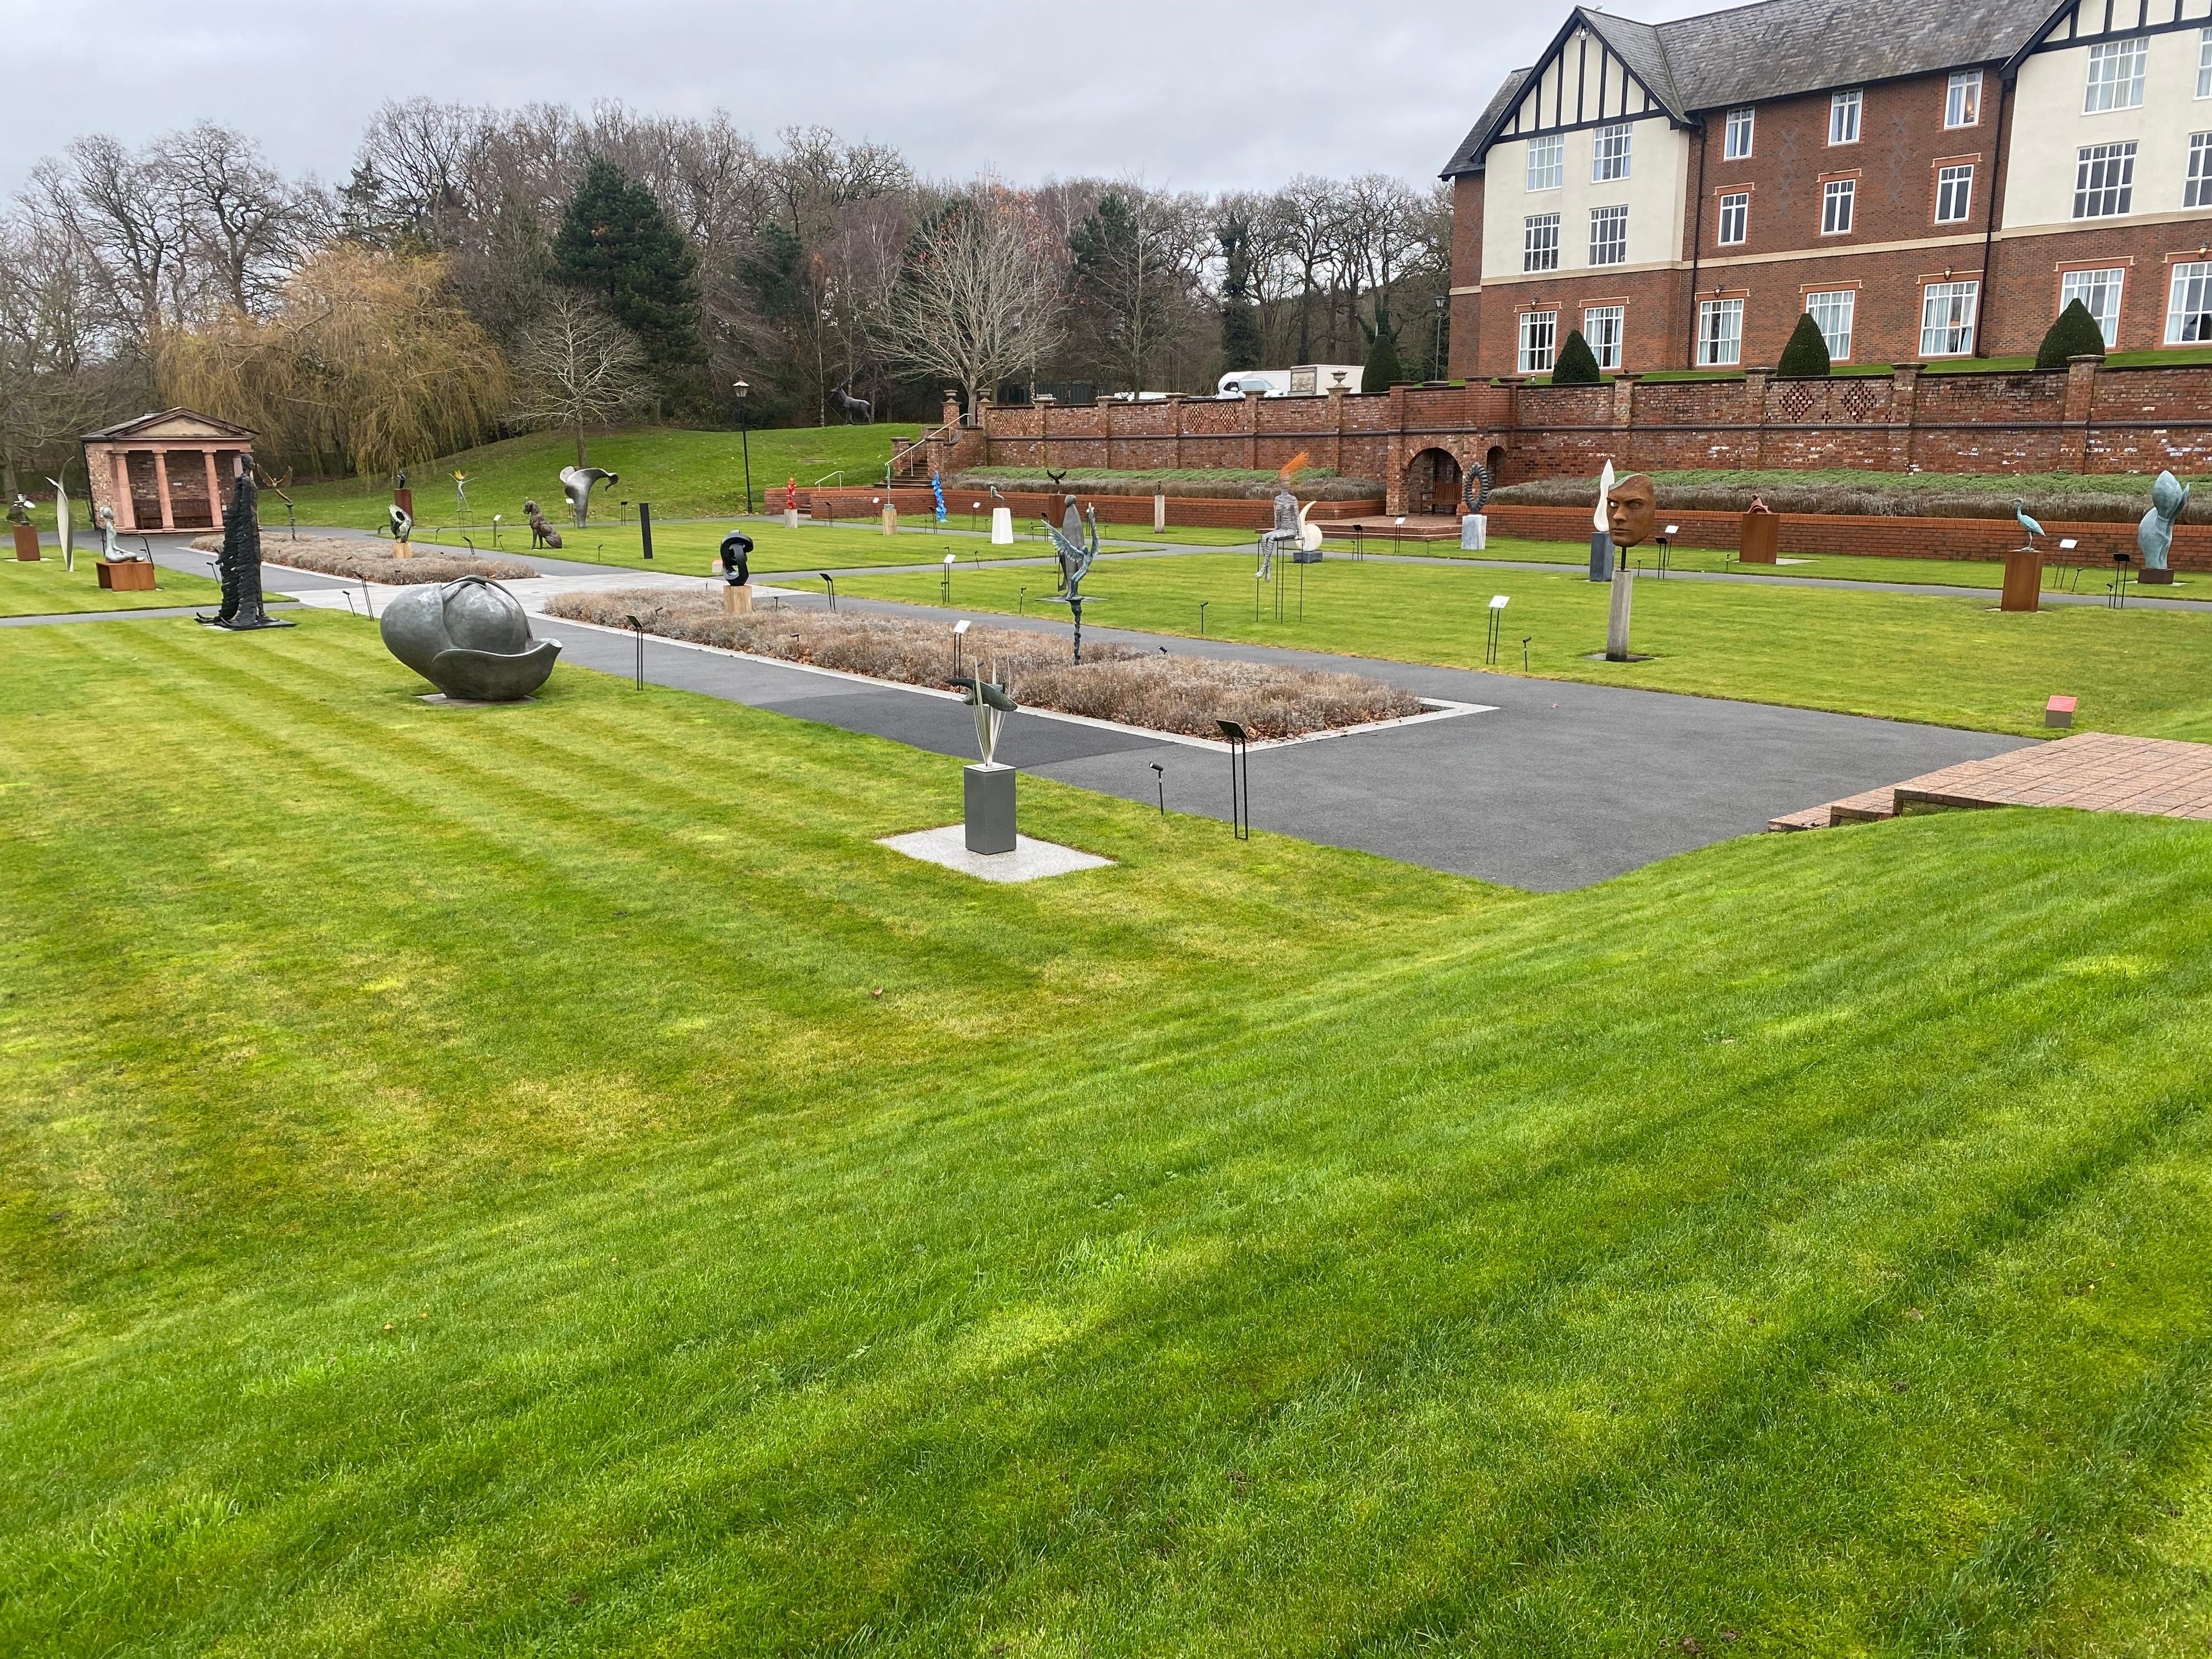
866	506
2121	420
1875	538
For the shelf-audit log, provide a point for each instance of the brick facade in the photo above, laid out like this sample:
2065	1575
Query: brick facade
2083	419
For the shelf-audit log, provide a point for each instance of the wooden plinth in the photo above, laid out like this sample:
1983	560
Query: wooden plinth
737	599
27	543
2023	580
403	550
125	575
1761	539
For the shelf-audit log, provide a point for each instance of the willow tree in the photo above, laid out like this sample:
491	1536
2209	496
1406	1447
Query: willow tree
365	364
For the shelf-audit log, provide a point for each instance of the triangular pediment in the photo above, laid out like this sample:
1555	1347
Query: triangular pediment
171	423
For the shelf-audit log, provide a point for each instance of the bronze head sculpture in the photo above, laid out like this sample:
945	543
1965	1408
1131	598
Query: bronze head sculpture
1631	505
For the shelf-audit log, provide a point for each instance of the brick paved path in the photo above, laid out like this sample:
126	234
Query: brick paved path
2096	771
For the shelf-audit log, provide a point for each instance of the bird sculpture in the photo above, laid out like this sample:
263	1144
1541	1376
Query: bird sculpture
403	524
1075	549
2034	529
993	702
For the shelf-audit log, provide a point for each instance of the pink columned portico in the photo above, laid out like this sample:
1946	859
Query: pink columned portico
166	472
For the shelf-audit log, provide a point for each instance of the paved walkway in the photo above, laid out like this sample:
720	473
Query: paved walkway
1557	786
2096	771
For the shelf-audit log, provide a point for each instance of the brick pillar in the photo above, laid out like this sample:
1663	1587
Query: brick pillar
126	517
1623	414
1336	421
951	407
1175	401
1755	382
1903	397
1251	430
1394	473
161	487
214	491
2080	401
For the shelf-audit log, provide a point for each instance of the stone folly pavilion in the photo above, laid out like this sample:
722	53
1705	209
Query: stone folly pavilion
171	470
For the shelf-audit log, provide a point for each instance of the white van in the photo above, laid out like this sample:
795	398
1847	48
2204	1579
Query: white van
1303	380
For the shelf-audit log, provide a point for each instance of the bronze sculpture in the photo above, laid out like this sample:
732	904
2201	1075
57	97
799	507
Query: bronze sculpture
1076	552
542	534
238	564
1632	506
469	638
576	484
2155	534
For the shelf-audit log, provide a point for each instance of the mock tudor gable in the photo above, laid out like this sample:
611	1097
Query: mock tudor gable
1925	182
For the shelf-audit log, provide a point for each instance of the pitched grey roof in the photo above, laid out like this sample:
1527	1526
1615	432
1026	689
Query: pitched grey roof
1779	48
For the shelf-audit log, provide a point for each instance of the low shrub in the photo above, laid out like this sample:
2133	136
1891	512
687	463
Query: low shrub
1119	682
329	555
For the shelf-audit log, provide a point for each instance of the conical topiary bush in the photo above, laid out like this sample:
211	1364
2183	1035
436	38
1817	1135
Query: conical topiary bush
2075	334
1577	364
1808	350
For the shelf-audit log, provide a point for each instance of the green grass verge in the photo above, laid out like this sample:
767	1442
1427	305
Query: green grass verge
689	548
1825	567
463	1194
2003	484
685	474
42	587
1950	661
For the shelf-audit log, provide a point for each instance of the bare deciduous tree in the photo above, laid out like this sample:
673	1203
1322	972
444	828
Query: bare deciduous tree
577	367
980	299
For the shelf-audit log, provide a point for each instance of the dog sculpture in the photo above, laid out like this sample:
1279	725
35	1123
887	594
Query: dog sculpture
542	534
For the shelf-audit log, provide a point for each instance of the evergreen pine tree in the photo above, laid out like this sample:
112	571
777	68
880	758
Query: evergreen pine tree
1577	364
1240	318
2075	334
1808	350
616	244
1383	369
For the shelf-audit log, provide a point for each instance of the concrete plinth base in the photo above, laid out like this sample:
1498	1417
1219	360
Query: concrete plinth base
1473	533
791	518
1028	860
988	793
1002	527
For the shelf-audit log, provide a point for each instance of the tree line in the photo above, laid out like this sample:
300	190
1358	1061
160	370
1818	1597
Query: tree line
482	271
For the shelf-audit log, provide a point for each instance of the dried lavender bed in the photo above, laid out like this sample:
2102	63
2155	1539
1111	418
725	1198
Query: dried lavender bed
1159	693
329	555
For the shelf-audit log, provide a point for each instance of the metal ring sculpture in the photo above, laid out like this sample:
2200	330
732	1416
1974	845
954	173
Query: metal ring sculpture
736	558
1476	474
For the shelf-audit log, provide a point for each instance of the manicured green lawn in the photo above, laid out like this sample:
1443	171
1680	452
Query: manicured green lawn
685	474
1952	662
463	1194
42	587
1827	567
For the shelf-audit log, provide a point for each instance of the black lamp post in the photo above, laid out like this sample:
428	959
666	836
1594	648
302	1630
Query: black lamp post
745	438
1443	300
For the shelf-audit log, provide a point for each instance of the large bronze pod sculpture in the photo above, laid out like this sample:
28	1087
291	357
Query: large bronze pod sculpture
469	638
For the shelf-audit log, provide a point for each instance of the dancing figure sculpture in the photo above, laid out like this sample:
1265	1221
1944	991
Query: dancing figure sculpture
576	484
1076	552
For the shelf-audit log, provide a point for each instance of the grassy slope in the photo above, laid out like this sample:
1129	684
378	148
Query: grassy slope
43	587
683	474
1951	661
462	1196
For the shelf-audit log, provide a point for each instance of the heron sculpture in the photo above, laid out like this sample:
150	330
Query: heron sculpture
2034	529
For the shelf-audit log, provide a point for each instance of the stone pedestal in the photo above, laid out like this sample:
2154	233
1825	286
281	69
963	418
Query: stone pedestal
1601	569
26	541
891	519
1159	512
1616	622
791	518
737	598
2023	580
1002	527
1760	542
1473	533
989	792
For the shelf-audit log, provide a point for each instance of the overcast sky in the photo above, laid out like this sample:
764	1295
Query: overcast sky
1197	94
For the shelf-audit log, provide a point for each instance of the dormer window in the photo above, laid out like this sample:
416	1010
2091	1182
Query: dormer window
1962	103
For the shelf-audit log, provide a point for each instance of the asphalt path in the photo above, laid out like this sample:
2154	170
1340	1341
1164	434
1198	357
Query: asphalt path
1557	786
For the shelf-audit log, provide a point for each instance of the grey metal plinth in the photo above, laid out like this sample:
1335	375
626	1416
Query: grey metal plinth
990	808
1602	556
